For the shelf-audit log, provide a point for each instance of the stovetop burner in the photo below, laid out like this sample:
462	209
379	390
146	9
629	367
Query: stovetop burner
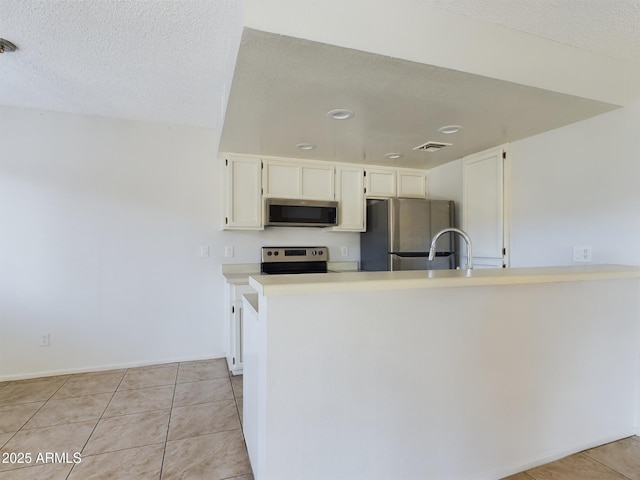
280	260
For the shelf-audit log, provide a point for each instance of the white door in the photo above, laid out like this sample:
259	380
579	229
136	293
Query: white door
483	209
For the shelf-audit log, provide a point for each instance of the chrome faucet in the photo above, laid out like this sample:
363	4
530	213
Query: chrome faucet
467	241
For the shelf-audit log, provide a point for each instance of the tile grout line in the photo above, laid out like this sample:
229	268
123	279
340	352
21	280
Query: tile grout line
166	437
34	413
603	464
241	419
100	418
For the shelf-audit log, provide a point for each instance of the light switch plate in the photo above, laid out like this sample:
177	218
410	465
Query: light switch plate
228	251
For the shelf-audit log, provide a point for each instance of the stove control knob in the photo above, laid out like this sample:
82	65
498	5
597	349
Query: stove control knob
269	253
314	253
276	253
320	252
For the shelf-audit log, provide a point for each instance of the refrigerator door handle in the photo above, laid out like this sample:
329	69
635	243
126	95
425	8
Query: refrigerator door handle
393	259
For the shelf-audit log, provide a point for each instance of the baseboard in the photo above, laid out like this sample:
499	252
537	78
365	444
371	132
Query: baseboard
100	368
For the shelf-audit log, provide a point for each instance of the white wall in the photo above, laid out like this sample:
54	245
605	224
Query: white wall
459	385
415	31
576	185
101	226
101	222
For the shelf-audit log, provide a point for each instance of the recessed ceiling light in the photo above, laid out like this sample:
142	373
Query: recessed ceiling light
340	114
450	129
393	156
305	146
7	46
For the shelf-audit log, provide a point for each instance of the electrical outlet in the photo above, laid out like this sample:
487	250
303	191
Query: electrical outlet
44	339
582	254
204	251
228	251
345	251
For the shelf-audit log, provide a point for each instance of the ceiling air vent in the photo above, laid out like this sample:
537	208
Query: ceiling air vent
432	146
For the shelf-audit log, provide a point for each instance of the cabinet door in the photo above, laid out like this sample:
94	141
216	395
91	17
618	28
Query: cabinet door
317	181
381	182
412	184
483	206
350	196
305	180
243	194
236	361
235	357
282	179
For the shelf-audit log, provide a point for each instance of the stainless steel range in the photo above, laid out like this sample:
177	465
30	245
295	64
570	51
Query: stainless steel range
279	260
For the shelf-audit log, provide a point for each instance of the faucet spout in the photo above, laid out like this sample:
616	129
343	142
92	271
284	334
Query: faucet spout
467	241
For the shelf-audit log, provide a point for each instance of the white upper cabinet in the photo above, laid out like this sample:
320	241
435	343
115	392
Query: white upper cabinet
350	196
412	183
282	180
243	193
305	180
250	179
381	182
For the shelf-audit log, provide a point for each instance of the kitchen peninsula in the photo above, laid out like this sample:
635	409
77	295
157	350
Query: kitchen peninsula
450	375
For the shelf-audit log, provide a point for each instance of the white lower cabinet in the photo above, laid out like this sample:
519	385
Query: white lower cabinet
236	319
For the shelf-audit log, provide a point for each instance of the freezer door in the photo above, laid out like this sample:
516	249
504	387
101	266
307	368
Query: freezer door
400	262
407	263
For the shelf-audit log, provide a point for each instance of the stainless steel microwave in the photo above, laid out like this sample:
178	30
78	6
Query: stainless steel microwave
285	212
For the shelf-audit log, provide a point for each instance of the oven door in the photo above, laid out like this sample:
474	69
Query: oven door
301	213
279	268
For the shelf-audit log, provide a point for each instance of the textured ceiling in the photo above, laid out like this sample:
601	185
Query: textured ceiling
172	61
161	61
607	27
283	88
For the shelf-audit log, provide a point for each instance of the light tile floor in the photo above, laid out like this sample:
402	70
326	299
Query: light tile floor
177	421
164	422
614	461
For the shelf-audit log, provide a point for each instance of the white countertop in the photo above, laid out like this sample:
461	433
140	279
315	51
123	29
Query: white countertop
238	274
277	285
239	278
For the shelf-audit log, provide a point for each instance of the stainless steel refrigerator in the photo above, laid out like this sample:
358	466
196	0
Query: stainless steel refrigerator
399	233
